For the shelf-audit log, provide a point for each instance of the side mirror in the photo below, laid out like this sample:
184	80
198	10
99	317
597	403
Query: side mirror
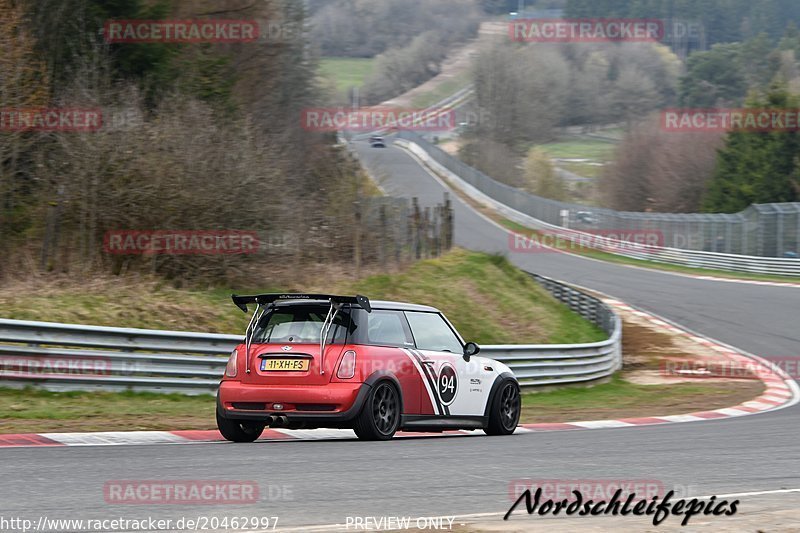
470	349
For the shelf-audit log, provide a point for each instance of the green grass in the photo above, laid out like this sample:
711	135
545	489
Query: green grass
442	91
593	149
621	398
32	410
613	258
346	72
487	299
586	170
120	302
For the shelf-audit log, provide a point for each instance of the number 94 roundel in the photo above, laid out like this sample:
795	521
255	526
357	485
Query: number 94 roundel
448	384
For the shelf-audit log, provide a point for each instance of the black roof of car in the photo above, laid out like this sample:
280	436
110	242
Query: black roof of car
376	304
325	299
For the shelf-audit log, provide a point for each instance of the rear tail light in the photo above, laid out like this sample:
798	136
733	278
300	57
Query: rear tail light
231	369
347	368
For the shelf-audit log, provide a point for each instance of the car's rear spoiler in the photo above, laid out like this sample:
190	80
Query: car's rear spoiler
266	299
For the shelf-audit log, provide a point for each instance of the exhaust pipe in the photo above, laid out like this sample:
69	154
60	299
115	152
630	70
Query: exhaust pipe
277	421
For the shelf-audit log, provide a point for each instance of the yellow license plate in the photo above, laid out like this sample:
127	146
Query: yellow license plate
284	365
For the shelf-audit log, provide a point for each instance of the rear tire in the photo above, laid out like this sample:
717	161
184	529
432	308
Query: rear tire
505	411
379	419
239	430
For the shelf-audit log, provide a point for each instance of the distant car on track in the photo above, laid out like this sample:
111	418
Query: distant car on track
586	217
311	361
377	141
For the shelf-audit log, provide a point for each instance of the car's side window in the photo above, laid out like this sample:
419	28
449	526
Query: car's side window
387	328
431	332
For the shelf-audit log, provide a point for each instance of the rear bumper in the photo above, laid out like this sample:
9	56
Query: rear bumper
329	405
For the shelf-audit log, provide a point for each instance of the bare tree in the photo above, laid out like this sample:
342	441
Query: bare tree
522	90
23	84
656	170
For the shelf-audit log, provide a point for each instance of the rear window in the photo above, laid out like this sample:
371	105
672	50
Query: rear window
293	324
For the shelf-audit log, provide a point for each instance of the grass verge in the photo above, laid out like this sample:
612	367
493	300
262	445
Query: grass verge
586	170
620	398
488	300
38	411
512	307
123	302
442	91
346	72
591	149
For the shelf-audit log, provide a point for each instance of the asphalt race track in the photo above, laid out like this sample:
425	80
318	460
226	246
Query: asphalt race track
324	482
759	319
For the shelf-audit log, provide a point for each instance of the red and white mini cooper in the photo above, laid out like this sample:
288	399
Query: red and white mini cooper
312	360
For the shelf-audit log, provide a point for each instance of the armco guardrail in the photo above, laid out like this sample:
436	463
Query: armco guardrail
450	103
536	365
75	357
492	196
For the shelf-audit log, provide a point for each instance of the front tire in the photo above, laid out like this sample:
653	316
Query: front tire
379	419
505	411
239	430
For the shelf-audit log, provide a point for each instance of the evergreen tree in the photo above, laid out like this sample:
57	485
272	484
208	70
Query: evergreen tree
711	78
757	167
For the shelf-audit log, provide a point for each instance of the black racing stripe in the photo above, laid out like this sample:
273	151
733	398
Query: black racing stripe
431	382
434	383
445	408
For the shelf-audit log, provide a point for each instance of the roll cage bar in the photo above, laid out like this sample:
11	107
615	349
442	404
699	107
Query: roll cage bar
265	302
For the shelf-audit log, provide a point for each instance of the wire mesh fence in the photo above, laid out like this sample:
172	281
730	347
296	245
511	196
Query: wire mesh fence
768	230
